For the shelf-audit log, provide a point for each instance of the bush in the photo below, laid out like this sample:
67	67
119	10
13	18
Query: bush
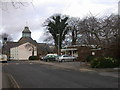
33	58
94	63
117	62
89	58
104	62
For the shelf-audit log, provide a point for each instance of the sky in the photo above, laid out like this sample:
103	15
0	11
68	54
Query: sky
14	19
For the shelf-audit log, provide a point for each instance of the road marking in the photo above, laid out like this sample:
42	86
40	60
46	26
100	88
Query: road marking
13	81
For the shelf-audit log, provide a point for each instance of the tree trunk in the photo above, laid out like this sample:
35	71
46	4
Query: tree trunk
74	37
33	51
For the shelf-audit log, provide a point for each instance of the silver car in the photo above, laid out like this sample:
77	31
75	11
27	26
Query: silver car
66	58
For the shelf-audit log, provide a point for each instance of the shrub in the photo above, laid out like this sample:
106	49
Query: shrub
33	58
94	63
89	58
104	62
117	62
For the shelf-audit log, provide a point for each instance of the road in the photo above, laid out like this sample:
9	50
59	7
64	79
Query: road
36	75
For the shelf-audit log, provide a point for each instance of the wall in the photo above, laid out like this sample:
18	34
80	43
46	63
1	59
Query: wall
25	52
14	53
22	52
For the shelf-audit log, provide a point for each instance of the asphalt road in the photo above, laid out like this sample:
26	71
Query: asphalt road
33	75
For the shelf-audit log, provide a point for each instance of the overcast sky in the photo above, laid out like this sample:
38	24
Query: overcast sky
35	13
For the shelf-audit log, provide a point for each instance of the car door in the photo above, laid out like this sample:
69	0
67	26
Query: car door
64	57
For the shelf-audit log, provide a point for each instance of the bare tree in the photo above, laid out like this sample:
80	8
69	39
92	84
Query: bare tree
14	3
88	30
48	38
74	27
92	30
96	31
6	36
110	32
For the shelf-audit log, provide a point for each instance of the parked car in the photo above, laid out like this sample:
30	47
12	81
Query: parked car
3	58
66	58
50	57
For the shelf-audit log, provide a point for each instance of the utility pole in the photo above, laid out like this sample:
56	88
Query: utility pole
58	36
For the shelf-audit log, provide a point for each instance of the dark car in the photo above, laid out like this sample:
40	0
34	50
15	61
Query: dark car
50	57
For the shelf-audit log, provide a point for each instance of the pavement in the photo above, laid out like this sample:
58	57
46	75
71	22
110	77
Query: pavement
83	67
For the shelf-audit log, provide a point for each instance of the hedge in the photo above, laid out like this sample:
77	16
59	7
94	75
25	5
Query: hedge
89	58
33	58
105	62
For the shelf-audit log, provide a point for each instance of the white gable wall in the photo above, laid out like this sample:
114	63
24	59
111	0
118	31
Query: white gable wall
23	51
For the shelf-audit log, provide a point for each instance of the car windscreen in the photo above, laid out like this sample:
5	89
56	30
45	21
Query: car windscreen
66	56
51	56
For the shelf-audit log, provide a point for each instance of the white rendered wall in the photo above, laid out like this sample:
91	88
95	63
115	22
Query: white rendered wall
14	53
24	53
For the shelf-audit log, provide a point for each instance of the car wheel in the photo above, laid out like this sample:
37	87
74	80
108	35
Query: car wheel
62	60
73	60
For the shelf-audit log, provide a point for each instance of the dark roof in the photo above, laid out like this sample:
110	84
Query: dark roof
26	39
44	47
11	44
6	47
26	30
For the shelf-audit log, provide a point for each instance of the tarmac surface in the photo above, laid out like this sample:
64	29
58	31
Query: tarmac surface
84	67
75	66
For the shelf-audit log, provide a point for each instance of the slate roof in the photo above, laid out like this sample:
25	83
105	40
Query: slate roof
26	39
43	48
6	47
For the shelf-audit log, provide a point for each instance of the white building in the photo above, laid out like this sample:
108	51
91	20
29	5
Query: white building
23	52
25	47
